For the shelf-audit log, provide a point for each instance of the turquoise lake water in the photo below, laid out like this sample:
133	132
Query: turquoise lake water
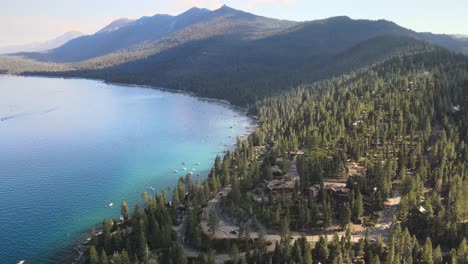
70	147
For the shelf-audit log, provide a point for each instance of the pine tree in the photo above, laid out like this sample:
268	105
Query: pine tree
427	257
213	221
321	250
211	259
124	210
103	257
345	215
438	258
106	235
358	207
93	256
376	260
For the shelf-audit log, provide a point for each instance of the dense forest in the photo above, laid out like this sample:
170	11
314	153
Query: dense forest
404	121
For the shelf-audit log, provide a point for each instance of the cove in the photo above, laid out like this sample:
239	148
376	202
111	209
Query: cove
71	147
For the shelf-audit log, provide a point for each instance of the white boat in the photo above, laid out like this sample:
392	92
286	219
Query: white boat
111	204
176	171
190	172
21	262
184	169
152	188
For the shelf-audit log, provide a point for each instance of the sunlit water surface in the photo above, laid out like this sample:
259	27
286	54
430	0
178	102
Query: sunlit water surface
70	147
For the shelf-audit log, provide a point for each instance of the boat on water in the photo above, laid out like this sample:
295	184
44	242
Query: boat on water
176	171
21	262
111	204
184	169
152	188
197	163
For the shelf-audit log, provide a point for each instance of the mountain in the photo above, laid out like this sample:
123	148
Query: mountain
126	34
116	25
460	36
457	44
44	46
231	54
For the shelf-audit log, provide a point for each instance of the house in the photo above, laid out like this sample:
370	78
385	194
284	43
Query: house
422	210
280	186
338	191
354	169
276	171
313	190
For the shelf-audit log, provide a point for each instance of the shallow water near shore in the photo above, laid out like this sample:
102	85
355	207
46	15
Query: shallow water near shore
71	147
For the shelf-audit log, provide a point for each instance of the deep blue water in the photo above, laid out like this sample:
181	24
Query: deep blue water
69	147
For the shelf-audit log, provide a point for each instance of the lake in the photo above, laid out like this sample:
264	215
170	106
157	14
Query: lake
70	147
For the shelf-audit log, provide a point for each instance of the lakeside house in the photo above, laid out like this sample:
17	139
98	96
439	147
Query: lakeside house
272	188
339	191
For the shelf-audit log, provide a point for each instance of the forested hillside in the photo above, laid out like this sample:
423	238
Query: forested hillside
404	121
240	74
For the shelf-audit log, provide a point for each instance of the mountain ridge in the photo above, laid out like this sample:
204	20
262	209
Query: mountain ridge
226	51
42	46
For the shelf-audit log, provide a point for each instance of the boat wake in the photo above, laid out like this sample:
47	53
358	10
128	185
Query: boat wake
23	114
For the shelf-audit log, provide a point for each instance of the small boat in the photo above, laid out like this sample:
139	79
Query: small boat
184	169
21	262
111	204
176	171
197	163
152	188
190	172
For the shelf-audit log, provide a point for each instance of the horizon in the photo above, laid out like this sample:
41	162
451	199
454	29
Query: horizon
22	28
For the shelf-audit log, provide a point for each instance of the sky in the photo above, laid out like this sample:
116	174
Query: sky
26	21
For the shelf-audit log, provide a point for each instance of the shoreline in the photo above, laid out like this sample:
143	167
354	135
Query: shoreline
146	86
80	244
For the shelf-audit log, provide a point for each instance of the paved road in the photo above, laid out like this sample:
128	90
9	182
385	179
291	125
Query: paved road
225	226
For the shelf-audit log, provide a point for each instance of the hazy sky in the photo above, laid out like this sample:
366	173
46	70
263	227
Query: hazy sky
23	21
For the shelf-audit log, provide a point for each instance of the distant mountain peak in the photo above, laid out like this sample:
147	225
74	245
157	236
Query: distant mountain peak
116	25
194	11
43	46
226	8
336	19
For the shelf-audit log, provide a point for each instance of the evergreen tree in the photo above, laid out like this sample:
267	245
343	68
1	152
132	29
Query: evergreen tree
124	210
213	221
93	257
427	257
103	257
